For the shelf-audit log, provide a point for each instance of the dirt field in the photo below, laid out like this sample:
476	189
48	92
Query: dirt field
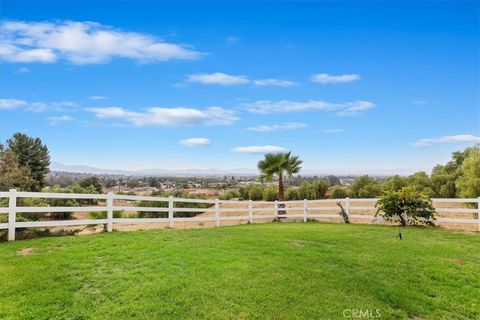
263	212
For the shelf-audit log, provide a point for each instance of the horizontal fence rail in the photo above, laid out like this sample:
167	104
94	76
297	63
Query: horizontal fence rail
251	210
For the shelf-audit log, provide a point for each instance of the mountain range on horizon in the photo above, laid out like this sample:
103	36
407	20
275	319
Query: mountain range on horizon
57	166
60	167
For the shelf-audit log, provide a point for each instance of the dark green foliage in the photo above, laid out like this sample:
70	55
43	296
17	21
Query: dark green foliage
164	204
252	192
270	194
313	190
230	194
32	154
338	192
292	194
333	181
409	205
12	175
421	181
61	202
395	183
103	214
93	182
447	181
280	166
468	184
365	187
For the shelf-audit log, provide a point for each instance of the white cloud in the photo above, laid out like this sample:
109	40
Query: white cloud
59	119
461	138
217	78
224	79
274	83
259	149
325	78
82	43
278	127
23	70
336	130
97	98
6	104
37	106
168	116
196	142
342	109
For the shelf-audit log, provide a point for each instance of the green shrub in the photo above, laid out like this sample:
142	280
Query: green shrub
292	194
270	194
252	192
103	214
230	194
164	204
408	204
365	187
338	192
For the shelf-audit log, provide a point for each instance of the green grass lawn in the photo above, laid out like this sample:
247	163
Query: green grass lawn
263	271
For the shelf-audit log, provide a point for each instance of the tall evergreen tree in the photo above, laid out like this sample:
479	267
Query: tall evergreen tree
12	175
32	154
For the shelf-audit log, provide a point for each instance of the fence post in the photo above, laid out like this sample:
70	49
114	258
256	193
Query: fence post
170	211
250	211
347	209
110	211
478	213
217	213
12	204
276	210
305	210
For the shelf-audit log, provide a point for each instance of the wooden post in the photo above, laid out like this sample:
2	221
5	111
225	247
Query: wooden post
12	204
170	211
305	210
478	213
217	213
347	207
276	210
110	212
250	211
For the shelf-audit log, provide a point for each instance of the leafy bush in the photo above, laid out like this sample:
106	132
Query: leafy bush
365	187
468	183
314	190
252	192
395	183
164	204
93	182
230	194
339	192
292	194
408	204
32	202
103	214
270	194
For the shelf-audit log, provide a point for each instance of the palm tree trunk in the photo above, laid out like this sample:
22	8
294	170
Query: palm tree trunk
281	189
281	195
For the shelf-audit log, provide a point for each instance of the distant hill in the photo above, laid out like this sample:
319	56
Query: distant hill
57	166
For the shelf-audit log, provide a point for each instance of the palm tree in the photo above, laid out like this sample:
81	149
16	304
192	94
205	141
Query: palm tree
279	166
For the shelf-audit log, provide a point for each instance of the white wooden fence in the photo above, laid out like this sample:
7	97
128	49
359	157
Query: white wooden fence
305	209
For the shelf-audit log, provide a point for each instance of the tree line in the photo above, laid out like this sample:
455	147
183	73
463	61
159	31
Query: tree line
460	177
25	161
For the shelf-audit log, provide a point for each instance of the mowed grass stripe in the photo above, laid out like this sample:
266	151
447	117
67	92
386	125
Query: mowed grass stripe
264	271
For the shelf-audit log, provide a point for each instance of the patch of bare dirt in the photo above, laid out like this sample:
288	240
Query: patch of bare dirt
25	251
298	244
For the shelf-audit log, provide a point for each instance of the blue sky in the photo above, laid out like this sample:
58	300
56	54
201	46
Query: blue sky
350	87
